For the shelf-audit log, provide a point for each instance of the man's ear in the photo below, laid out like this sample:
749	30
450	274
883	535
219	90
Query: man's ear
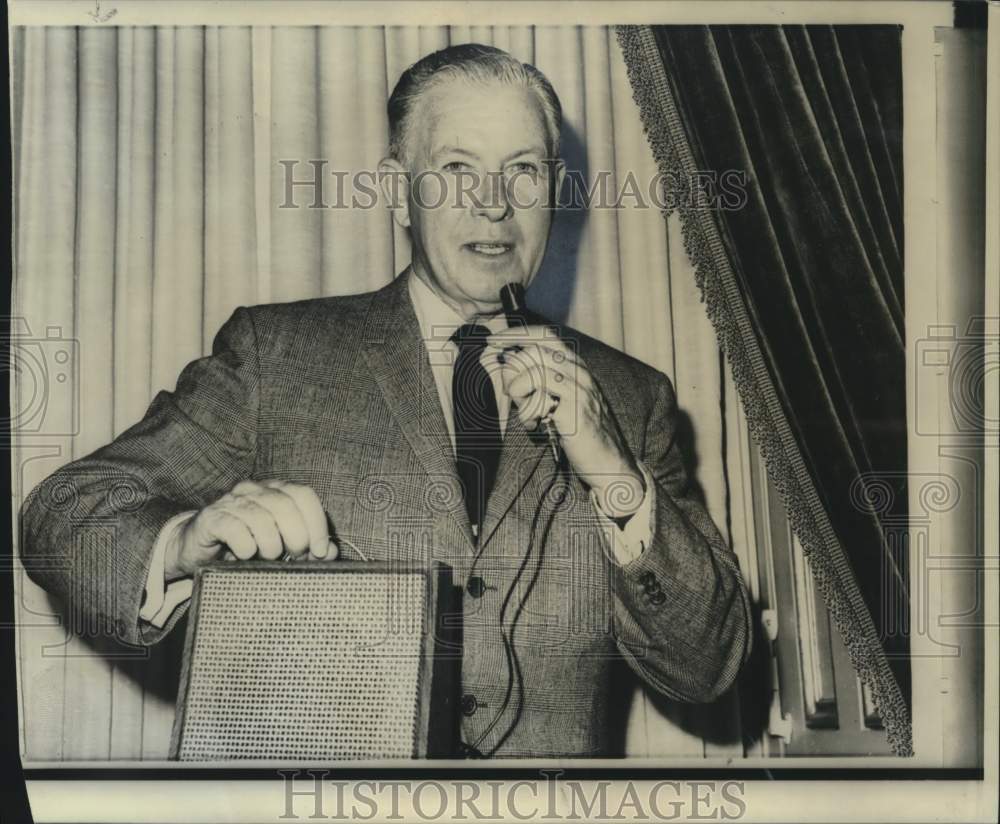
395	183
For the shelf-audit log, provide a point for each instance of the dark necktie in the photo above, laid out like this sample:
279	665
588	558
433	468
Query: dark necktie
477	422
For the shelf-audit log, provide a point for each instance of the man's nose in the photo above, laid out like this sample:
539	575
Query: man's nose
491	198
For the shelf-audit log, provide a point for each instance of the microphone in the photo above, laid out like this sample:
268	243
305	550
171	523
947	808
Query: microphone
514	307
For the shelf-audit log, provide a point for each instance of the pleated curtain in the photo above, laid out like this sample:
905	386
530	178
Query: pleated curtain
805	284
149	182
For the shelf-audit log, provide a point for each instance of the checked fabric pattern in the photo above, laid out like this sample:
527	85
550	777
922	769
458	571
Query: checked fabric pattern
337	394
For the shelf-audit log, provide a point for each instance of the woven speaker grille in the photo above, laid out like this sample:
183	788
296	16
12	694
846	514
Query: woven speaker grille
304	665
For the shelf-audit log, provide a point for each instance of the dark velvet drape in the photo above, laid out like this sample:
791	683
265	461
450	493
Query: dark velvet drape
803	276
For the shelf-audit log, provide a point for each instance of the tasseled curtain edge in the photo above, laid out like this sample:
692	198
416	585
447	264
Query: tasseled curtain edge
767	423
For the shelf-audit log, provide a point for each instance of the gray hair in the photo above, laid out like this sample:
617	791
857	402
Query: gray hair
476	63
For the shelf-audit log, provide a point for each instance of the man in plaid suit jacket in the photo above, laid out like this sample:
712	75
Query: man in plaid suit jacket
327	426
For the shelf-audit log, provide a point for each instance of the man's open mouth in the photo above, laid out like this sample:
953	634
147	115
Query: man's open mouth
491	249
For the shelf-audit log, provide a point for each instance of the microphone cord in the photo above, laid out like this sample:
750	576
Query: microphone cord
507	636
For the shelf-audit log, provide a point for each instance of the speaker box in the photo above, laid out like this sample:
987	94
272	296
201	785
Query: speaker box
319	661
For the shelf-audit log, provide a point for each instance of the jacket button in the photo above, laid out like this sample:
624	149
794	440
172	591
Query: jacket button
469	704
647	579
475	586
657	597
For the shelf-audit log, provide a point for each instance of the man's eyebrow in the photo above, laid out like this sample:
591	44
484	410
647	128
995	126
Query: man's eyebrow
457	150
444	150
537	150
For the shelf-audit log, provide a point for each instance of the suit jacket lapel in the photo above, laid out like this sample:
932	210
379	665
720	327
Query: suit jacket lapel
396	354
519	460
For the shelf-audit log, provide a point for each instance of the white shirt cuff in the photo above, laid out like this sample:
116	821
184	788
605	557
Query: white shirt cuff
161	598
630	541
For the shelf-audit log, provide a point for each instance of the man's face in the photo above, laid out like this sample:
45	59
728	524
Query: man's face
480	182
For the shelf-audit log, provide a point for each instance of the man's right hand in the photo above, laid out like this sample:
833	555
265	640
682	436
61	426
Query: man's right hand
262	520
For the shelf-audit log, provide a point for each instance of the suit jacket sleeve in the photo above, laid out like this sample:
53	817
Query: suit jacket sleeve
89	529
682	614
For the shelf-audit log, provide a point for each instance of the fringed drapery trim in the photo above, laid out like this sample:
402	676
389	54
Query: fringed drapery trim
768	425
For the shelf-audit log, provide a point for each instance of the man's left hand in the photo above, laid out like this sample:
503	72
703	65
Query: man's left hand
546	379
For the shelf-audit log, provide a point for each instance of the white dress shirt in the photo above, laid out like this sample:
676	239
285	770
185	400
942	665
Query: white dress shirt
438	322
